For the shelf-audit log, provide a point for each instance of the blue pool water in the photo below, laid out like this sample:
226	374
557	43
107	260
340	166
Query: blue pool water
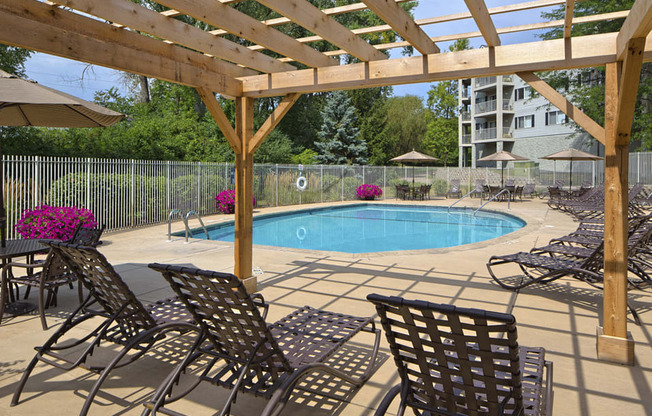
368	228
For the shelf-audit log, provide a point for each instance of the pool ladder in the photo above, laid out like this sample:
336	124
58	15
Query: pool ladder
185	223
474	190
509	198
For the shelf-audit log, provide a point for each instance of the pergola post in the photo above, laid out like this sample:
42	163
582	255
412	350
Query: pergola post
614	342
244	165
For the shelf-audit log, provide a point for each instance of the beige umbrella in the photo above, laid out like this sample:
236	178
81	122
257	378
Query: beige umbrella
26	103
414	157
571	154
502	156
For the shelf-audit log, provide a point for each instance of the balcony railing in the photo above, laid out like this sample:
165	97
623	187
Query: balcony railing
507	134
466	115
481	82
507	106
508	78
466	138
466	94
485	107
485	134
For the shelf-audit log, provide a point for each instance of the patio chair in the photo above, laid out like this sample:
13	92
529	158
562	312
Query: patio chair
266	360
529	190
509	182
124	321
54	273
454	190
479	188
456	361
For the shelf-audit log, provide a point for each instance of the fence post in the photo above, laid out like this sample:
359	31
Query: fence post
384	180
132	202
342	183
363	174
593	173
321	183
277	184
638	167
167	186
88	183
199	188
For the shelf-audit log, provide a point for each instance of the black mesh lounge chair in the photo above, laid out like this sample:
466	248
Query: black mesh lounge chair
123	321
529	190
266	360
54	273
479	188
454	190
455	361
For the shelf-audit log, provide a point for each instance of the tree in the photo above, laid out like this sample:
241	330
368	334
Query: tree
339	135
13	59
585	87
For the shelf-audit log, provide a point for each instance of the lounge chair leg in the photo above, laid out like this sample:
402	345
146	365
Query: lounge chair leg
23	380
637	320
388	399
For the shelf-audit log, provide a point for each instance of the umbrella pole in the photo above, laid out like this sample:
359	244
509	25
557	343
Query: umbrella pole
570	179
502	172
3	211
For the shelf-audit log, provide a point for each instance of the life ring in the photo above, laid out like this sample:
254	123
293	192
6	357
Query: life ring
301	233
302	183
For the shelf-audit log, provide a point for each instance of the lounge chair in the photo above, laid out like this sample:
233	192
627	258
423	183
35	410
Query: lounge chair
456	361
124	321
529	190
454	190
266	360
54	273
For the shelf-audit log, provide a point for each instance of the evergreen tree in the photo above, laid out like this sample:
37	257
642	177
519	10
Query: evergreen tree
339	143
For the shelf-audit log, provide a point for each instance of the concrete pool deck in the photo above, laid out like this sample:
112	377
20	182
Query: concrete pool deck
561	317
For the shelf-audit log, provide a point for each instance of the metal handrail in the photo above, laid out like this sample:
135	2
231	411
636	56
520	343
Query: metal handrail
509	199
474	190
174	211
185	220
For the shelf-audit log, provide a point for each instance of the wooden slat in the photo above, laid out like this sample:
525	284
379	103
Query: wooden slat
333	11
615	218
502	30
305	14
482	18
277	115
244	163
228	18
208	97
628	90
637	25
39	27
559	101
403	24
568	18
587	51
145	20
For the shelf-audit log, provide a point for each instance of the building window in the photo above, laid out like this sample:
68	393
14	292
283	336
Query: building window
519	94
524	122
555	117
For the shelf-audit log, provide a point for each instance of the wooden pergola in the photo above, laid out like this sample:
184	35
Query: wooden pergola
123	35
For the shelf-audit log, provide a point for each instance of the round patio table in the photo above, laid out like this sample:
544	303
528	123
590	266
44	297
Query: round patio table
18	248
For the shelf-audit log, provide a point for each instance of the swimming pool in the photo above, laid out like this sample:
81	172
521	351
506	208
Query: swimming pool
370	228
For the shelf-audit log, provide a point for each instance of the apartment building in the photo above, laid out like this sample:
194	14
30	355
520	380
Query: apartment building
498	113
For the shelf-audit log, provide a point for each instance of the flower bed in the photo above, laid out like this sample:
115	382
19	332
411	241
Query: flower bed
369	192
225	201
53	222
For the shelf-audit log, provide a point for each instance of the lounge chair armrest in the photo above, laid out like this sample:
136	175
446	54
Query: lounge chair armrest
24	265
259	301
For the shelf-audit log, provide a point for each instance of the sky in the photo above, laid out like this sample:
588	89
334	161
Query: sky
83	80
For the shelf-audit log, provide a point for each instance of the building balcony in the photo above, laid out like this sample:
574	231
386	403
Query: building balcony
485	107
483	81
466	138
466	94
485	134
507	106
466	115
509	79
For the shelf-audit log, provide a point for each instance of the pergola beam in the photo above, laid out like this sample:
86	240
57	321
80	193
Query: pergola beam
637	25
312	18
482	18
274	118
49	29
244	26
568	18
631	74
403	24
213	106
559	101
129	14
587	51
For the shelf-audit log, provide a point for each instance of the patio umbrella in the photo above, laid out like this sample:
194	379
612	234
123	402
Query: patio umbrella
26	103
502	156
571	154
414	157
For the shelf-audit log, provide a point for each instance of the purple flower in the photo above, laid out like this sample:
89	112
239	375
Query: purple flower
368	191
225	201
53	222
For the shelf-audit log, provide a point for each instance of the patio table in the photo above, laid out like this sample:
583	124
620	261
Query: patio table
18	248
